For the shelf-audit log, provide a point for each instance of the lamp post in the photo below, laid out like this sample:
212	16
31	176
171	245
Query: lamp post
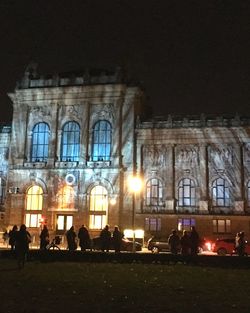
135	185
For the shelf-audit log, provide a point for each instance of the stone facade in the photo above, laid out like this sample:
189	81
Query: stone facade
195	170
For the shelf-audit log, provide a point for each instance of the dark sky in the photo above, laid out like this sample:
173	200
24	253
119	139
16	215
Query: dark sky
192	57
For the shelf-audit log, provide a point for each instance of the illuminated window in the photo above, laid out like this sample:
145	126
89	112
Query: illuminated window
98	207
40	143
154	192
101	141
152	224
2	190
65	197
248	194
32	220
34	198
222	226
186	193
34	202
185	224
70	142
64	222
220	193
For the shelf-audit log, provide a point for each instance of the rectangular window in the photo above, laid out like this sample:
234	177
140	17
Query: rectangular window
97	221
185	224
33	220
221	226
152	224
64	222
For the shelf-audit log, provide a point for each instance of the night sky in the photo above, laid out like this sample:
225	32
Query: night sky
191	57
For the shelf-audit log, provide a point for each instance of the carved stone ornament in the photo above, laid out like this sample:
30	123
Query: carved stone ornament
41	111
187	157
221	157
72	110
104	112
155	155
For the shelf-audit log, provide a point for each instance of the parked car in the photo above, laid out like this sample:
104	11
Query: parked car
227	246
158	244
127	245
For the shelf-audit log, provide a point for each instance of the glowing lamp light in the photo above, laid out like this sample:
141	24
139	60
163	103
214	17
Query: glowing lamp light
135	184
112	201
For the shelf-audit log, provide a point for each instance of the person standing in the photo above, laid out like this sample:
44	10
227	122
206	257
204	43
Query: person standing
117	239
185	243
23	239
174	242
240	243
84	238
44	238
194	241
105	237
71	239
12	237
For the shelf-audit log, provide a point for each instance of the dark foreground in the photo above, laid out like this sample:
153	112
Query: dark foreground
121	287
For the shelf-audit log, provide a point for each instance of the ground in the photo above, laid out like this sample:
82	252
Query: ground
113	287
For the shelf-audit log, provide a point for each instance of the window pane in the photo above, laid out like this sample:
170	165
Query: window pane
60	222
69	222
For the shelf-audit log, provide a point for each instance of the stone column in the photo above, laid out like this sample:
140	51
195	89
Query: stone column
170	181
204	180
239	180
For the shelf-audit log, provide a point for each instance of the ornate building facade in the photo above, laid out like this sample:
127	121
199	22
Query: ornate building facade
76	139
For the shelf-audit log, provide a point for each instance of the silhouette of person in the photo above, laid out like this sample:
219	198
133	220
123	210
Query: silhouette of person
12	237
194	241
185	243
23	240
44	238
84	238
71	239
105	237
117	239
174	242
240	243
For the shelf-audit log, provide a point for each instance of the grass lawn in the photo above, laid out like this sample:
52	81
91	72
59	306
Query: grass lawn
112	287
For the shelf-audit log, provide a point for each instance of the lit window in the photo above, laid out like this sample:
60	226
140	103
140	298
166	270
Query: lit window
34	198
40	143
152	224
154	192
222	226
70	142
33	220
98	207
185	224
64	222
186	193
220	193
101	141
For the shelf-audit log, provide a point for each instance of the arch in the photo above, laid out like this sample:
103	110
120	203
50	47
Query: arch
186	192
101	141
70	142
40	142
221	193
98	207
154	192
33	206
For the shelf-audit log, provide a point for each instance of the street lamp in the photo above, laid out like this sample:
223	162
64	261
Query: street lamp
135	186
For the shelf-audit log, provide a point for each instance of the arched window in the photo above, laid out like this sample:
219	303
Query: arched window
101	141
220	193
70	144
154	192
40	143
98	207
34	203
248	194
186	192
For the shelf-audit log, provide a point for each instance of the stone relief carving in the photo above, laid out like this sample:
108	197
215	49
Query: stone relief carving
221	157
187	156
104	112
40	112
247	152
155	155
72	110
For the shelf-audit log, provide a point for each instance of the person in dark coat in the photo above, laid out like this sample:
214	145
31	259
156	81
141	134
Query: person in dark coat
117	239
194	241
12	237
23	239
84	238
174	242
44	238
240	243
71	239
185	243
105	237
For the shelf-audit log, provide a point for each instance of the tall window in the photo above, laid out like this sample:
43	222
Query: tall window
186	192
2	190
154	192
221	226
40	143
70	142
101	141
220	193
34	203
152	224
248	194
98	207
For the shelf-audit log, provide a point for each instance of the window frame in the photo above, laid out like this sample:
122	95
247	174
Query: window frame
154	188
40	141
220	188
185	188
101	141
70	131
